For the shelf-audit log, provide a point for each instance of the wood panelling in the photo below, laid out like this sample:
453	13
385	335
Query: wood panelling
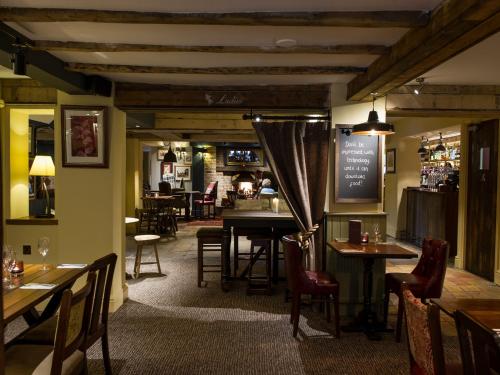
482	199
431	214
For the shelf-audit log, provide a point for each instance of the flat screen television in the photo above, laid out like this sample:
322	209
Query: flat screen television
245	156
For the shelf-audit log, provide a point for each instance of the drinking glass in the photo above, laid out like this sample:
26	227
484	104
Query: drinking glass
8	263
376	233
43	249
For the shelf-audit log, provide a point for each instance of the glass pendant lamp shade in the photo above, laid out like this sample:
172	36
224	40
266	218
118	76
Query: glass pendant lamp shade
170	156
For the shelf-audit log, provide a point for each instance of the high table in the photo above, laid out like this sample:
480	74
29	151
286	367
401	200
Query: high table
367	320
232	218
17	302
485	311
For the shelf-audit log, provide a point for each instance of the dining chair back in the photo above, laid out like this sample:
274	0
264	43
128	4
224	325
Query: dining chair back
425	345
301	281
165	188
72	324
207	199
483	358
425	281
104	268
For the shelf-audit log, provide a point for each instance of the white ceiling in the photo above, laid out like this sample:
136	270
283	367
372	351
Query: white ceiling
7	73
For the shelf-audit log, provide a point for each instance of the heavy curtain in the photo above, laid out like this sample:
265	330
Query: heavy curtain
297	152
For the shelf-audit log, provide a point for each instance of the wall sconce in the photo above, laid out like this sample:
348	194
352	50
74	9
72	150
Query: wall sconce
203	151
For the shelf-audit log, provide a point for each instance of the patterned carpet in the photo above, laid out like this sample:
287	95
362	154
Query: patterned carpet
170	326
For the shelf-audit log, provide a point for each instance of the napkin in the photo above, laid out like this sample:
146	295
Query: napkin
351	251
38	286
69	265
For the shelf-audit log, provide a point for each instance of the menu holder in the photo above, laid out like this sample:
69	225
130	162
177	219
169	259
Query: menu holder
355	232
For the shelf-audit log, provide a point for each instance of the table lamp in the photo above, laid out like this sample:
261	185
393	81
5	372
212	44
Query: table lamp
43	166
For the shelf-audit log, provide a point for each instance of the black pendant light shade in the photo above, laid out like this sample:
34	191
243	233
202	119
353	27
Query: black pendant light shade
440	147
19	59
170	156
373	126
422	149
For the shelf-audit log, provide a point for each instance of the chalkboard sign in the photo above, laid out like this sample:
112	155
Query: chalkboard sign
358	162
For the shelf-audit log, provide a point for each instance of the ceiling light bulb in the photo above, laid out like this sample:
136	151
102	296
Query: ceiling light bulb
416	92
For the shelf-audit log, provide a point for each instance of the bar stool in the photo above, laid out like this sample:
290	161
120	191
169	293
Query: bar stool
209	239
244	232
260	283
141	241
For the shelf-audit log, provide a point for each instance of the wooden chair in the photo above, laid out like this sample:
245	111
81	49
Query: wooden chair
300	281
260	283
67	353
425	281
484	356
425	346
209	239
44	333
141	241
165	188
207	199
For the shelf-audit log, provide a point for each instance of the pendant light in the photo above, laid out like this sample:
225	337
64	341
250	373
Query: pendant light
170	156
440	147
422	149
373	126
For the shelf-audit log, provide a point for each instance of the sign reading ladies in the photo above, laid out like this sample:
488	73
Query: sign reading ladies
358	160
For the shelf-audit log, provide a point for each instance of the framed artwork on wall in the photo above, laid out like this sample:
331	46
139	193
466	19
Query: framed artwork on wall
390	161
182	172
167	169
84	137
161	153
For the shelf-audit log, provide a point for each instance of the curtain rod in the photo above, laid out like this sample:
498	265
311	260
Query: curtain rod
259	117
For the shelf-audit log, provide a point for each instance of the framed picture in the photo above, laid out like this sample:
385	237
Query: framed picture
188	158
161	153
182	172
167	169
390	161
84	137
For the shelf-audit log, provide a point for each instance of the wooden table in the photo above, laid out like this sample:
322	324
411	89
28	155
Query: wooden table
367	320
486	311
232	218
21	302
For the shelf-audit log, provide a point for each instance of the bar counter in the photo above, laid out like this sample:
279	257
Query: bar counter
432	214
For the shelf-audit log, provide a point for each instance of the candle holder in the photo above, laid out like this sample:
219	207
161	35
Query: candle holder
17	268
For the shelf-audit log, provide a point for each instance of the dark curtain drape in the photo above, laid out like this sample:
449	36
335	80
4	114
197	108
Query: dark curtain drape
297	153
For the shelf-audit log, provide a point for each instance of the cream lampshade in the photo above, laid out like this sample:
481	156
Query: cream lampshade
43	166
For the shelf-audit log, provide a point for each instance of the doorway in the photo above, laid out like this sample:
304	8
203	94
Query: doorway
482	198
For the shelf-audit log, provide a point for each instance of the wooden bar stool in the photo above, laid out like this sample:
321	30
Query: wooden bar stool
238	255
209	239
141	241
260	283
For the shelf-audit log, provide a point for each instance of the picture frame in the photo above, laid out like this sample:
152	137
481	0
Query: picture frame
85	137
188	158
390	160
244	157
161	153
167	169
182	172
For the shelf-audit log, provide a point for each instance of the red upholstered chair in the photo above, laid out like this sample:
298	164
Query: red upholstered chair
425	345
425	281
484	356
300	281
208	199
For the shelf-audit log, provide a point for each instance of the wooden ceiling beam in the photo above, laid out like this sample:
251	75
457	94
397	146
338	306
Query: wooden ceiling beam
454	26
234	70
406	19
342	49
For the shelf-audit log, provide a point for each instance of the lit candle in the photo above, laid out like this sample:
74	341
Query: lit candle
276	204
18	267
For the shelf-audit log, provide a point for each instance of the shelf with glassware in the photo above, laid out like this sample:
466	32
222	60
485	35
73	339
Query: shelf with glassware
440	165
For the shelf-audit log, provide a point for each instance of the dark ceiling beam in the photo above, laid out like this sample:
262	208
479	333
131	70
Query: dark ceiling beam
455	26
406	19
235	70
361	49
49	70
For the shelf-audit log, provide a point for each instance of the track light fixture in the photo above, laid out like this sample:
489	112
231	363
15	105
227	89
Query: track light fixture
18	59
420	81
257	117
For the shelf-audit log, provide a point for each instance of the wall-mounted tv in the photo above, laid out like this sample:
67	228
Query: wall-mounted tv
245	156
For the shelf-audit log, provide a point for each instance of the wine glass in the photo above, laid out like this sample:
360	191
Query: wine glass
43	249
8	263
376	233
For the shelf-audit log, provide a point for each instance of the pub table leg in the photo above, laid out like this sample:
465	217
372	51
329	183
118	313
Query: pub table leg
276	248
226	249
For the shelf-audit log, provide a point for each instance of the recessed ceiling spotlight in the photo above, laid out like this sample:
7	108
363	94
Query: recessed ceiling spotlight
137	126
286	43
420	81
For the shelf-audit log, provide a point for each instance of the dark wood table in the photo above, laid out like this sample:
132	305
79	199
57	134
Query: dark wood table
187	210
232	218
367	320
21	302
485	311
